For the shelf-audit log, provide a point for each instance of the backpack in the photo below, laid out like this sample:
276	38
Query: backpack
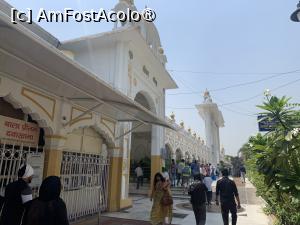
186	170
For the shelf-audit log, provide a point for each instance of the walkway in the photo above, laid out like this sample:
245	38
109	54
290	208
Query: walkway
140	212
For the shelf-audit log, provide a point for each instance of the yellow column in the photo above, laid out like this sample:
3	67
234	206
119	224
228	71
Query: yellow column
115	176
156	165
52	164
53	155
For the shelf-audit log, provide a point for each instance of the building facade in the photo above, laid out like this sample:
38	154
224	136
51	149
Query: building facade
181	143
84	110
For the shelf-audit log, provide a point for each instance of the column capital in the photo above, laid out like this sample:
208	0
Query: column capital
116	152
55	141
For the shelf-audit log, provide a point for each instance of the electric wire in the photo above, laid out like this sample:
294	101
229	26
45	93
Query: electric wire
239	84
242	100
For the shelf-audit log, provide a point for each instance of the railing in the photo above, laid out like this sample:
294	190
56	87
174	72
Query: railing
12	156
84	183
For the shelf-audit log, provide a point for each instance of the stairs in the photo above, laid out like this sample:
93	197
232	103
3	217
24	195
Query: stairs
177	192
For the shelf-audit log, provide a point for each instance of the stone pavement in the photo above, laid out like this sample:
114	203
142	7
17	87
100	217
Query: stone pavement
140	212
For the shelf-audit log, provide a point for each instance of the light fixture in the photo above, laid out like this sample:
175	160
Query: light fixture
296	15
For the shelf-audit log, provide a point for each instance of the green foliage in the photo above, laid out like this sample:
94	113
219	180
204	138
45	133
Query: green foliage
273	161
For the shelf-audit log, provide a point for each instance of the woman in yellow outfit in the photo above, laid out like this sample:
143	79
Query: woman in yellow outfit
159	212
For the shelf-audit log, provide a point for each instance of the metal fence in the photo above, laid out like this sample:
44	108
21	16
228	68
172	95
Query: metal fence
12	156
85	184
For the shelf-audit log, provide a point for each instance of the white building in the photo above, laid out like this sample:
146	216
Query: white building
183	144
92	104
213	119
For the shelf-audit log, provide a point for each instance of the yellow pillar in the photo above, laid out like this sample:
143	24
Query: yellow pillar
52	164
115	176
53	155
156	165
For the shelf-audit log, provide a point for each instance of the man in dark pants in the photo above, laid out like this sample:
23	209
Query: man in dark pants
197	191
18	196
227	189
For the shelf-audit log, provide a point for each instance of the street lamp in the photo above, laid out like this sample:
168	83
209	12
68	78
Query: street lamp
296	15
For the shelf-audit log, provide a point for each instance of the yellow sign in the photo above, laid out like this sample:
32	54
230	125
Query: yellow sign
13	130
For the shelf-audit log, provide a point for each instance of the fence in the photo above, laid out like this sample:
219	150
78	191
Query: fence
12	156
85	184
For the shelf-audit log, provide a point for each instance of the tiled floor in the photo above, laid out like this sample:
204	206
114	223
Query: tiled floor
140	212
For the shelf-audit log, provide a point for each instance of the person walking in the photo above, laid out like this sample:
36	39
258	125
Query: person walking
186	175
17	197
243	174
197	191
208	183
173	173
227	191
139	176
48	208
195	169
160	211
180	167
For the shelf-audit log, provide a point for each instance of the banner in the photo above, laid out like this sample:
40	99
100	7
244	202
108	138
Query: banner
13	130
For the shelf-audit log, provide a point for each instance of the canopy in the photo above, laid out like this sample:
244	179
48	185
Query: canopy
28	57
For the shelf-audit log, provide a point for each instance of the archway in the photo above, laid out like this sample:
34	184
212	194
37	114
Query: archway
85	172
141	142
168	156
187	157
21	140
179	155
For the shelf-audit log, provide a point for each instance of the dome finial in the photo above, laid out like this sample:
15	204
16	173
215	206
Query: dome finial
207	97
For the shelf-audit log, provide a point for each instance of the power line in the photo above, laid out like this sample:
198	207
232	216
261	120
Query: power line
255	96
239	84
240	101
222	73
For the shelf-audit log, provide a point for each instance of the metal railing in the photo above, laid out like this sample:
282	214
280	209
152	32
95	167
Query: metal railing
12	156
84	184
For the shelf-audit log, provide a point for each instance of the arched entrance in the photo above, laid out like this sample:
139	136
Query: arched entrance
168	156
85	173
21	140
188	157
179	155
141	142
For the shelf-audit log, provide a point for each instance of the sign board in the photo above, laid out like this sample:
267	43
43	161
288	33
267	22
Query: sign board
265	125
36	160
14	130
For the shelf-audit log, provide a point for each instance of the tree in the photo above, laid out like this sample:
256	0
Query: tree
273	160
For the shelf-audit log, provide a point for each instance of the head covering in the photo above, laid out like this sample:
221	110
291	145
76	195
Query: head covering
25	171
50	189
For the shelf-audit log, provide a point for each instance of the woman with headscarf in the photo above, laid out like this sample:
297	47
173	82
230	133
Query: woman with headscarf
17	197
159	211
48	208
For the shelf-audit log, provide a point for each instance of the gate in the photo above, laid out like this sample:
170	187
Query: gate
12	157
84	184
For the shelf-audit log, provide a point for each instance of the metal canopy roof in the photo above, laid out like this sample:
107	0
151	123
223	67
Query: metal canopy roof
27	57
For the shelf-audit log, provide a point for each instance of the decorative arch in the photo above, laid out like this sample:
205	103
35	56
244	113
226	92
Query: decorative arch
99	128
179	154
145	99
16	103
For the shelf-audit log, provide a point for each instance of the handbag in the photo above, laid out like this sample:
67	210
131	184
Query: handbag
167	199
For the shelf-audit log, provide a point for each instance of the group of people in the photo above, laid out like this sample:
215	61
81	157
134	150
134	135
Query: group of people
226	191
183	172
201	195
19	208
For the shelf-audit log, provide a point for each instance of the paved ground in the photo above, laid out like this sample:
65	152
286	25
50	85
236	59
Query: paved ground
140	212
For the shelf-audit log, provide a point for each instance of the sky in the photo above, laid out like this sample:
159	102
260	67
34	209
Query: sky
211	44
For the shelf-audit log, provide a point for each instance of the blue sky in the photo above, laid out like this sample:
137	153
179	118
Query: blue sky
229	42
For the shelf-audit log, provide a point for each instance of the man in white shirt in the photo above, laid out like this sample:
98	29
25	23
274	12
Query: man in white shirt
140	176
208	183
